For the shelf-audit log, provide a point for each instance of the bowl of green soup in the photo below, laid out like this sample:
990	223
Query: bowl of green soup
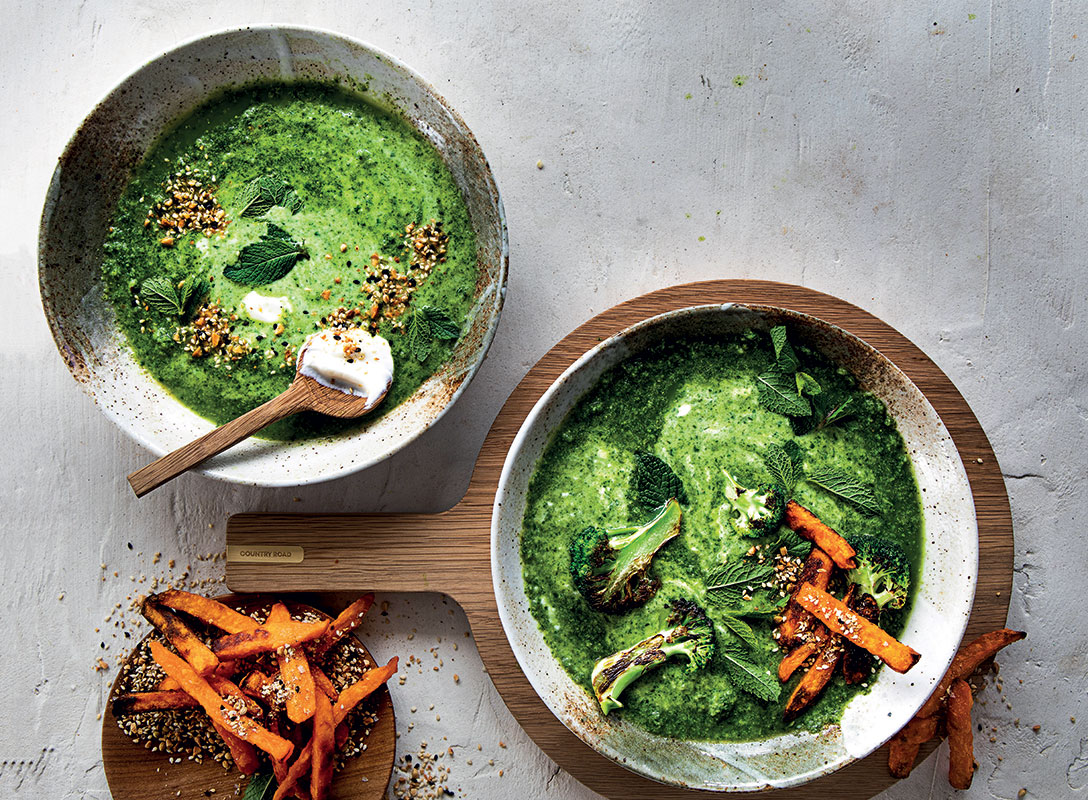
249	189
666	447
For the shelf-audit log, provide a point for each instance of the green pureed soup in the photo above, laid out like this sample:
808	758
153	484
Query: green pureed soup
272	212
694	404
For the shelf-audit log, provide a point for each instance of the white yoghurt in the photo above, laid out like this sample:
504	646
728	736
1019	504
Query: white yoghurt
351	361
266	309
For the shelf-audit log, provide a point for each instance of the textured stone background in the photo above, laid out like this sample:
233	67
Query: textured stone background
926	163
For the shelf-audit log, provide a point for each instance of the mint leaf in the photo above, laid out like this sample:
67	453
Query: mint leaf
839	412
160	294
259	787
426	324
267	260
778	393
276	232
782	468
292	202
726	584
794	544
442	326
193	290
745	674
420	336
784	355
264	193
741	629
655	482
842	485
806	384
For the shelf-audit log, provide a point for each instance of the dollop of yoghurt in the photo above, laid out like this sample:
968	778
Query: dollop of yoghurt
352	361
266	309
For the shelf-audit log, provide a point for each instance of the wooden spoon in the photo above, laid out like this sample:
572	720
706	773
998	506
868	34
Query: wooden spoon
304	394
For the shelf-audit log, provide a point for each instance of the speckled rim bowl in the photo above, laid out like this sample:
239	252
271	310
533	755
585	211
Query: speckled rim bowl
95	167
935	626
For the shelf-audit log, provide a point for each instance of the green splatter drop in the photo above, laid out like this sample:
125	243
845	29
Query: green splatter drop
687	96
740	80
972	17
702	238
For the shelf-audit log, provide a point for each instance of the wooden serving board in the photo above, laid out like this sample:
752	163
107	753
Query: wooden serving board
134	773
450	552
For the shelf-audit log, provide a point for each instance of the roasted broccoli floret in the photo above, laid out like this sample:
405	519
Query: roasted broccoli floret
610	567
753	512
690	634
883	570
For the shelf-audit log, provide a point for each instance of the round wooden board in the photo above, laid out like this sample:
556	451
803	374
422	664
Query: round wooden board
450	552
135	773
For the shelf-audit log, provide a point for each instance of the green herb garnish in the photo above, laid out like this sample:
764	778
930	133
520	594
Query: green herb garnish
654	481
726	584
267	260
163	295
842	485
259	786
784	465
778	393
427	324
264	193
746	675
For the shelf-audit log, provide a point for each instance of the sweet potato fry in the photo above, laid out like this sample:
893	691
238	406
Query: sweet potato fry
807	525
322	682
227	688
216	707
838	618
347	621
151	701
857	663
904	746
258	685
349	698
267	638
203	660
243	753
795	658
961	757
795	620
226	669
295	673
208	611
813	682
324	743
967	660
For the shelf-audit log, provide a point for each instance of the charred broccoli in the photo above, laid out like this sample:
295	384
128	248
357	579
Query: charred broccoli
883	570
752	512
610	567
690	634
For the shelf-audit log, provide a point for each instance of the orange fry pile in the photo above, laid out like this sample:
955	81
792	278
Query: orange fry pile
198	676
819	628
951	704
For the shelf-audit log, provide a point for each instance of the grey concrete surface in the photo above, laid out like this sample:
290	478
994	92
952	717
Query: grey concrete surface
924	161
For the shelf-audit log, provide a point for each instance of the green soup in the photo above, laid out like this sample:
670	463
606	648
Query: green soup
693	403
380	227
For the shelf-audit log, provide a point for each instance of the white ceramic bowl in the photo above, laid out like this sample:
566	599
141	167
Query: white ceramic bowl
935	626
95	167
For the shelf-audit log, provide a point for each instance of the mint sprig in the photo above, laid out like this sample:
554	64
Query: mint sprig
842	485
746	674
726	584
265	193
778	393
654	481
267	260
176	299
260	786
426	325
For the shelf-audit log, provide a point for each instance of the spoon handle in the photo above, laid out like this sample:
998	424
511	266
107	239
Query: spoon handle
155	474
